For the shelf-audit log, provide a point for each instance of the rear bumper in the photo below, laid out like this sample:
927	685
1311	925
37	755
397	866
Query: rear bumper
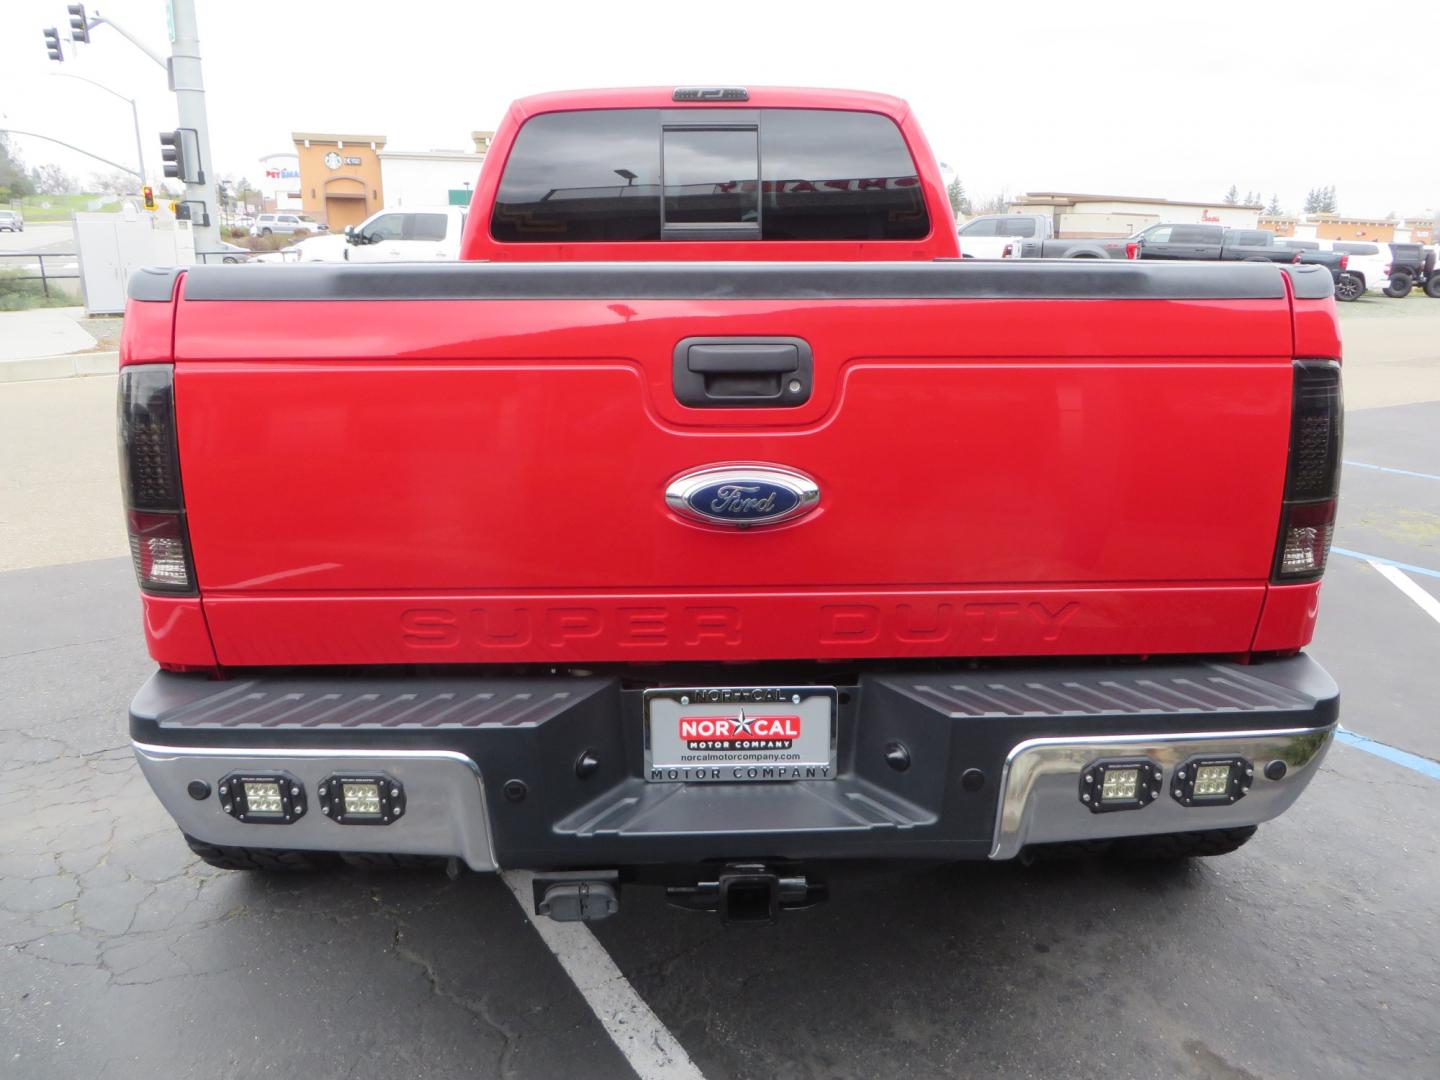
489	764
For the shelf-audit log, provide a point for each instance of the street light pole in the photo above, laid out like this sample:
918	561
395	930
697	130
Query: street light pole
134	113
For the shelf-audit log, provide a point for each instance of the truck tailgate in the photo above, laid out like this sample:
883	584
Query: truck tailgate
468	463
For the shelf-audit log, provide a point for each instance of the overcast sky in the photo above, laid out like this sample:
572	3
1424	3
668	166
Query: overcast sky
1177	100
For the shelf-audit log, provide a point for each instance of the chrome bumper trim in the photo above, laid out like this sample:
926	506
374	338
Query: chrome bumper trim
444	814
1040	798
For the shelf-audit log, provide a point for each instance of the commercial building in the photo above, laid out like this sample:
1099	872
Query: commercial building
1413	230
279	183
432	177
1345	227
340	181
1079	216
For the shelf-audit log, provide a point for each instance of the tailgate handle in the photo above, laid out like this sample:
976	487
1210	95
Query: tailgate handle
743	372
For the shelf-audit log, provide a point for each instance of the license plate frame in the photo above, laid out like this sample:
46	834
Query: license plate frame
773	751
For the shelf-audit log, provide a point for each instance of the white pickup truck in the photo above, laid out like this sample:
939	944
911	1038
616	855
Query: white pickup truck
411	234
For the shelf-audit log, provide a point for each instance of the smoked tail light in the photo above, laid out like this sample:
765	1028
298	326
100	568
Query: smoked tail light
150	480
1312	475
1296	258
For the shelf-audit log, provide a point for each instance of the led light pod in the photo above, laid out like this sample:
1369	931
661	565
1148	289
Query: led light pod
361	798
1119	784
262	798
1212	781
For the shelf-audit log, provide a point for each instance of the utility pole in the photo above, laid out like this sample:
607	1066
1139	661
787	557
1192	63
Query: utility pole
189	87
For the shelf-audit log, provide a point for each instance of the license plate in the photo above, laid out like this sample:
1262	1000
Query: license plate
740	734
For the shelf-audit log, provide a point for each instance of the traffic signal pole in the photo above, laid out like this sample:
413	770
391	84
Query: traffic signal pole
189	87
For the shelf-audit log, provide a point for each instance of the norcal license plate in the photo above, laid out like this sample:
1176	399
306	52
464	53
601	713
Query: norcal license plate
740	734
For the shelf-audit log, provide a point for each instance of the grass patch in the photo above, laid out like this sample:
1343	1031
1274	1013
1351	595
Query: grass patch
20	293
1374	306
41	208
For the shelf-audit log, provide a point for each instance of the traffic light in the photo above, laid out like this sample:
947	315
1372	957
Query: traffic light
180	150
79	25
148	193
52	44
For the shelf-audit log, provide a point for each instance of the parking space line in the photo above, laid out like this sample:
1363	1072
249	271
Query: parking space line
647	1044
1419	764
1388	469
1380	560
1396	577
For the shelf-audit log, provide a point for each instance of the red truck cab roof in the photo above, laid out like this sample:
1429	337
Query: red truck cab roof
937	241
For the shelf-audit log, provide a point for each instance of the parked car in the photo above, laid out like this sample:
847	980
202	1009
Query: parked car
613	551
422	232
989	235
230	253
326	248
11	221
1412	265
285	223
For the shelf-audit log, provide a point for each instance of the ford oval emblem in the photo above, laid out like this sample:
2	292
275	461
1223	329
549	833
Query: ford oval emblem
742	495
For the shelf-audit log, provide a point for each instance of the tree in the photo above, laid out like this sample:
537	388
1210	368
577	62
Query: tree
114	182
1325	202
1273	209
1232	196
1254	198
52	180
959	201
248	198
997	203
14	180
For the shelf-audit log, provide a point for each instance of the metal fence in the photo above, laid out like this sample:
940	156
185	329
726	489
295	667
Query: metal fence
42	266
50	266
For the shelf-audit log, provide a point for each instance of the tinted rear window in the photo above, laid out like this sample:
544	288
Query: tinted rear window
1357	249
582	177
1195	234
710	176
631	175
837	176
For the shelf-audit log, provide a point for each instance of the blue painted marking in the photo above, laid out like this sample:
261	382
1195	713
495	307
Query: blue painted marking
1424	766
1411	567
1397	472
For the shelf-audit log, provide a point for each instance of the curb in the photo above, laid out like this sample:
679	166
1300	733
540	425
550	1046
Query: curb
59	367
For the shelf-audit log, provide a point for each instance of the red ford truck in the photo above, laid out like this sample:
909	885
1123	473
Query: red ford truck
711	524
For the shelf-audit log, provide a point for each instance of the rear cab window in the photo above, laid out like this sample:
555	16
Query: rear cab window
638	175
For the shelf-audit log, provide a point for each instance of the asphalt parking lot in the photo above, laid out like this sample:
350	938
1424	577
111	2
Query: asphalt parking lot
1312	952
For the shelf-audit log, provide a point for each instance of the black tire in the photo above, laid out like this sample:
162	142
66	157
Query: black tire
271	860
1432	286
1349	288
388	864
1169	847
267	232
1400	285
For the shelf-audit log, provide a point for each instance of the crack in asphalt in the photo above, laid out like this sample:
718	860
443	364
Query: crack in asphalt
478	1008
